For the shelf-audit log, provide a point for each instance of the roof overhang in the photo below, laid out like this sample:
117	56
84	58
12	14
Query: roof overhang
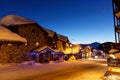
117	29
43	49
117	14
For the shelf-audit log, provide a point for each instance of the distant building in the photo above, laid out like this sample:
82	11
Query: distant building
107	46
88	51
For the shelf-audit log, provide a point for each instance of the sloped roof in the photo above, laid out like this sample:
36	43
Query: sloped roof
113	50
11	20
50	32
117	14
45	47
62	38
117	29
7	35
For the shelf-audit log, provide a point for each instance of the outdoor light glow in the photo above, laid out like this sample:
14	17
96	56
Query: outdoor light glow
73	49
37	44
67	51
9	44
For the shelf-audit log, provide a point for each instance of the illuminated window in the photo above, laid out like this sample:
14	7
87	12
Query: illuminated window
9	44
54	42
103	45
37	44
71	45
55	46
25	44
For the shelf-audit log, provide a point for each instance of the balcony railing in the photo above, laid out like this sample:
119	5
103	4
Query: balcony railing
116	8
117	29
117	14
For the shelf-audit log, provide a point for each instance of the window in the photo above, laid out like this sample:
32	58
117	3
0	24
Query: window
37	43
33	31
9	44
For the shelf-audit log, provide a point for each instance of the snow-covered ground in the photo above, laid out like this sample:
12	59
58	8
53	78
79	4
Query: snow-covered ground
25	69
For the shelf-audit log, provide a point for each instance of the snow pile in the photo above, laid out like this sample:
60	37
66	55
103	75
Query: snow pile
72	58
112	77
6	34
28	63
11	20
4	65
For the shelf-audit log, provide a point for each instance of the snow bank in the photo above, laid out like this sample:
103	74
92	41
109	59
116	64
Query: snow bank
112	77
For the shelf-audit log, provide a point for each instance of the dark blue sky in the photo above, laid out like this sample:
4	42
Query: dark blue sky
83	21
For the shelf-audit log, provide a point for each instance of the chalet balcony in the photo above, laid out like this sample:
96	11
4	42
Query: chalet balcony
117	14
116	8
117	29
116	1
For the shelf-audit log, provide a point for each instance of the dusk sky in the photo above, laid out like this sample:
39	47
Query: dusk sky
82	21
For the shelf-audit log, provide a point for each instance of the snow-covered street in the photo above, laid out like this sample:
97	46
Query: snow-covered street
73	70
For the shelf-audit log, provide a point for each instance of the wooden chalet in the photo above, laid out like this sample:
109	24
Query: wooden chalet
36	36
46	54
107	46
62	42
52	38
12	46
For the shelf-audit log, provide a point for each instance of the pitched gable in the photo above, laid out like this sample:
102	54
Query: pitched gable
62	38
11	20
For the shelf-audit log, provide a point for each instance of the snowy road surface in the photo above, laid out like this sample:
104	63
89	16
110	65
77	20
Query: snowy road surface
74	70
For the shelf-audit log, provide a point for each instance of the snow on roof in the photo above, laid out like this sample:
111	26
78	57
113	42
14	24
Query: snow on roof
113	50
11	20
50	32
6	34
40	49
62	38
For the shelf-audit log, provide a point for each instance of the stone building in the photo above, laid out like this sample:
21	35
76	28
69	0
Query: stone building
36	36
12	47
